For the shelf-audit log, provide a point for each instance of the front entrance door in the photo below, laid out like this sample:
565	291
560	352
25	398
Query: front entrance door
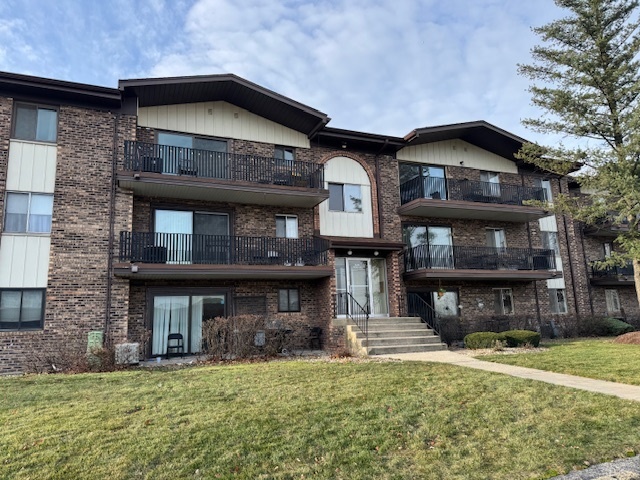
184	314
366	281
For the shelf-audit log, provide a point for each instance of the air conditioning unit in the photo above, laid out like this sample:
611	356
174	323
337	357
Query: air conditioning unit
127	354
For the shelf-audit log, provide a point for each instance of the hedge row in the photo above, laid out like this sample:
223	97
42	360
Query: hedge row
513	338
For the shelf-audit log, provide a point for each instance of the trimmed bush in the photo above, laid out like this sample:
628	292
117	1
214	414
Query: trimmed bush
516	338
616	327
477	340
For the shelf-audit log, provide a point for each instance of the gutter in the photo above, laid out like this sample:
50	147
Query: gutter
112	208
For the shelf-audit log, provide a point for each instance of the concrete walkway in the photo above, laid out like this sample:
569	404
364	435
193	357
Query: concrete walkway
628	392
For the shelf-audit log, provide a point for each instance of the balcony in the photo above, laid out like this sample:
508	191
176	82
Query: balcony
612	276
187	173
478	263
177	255
468	199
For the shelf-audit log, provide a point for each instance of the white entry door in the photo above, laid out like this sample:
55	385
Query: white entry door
365	280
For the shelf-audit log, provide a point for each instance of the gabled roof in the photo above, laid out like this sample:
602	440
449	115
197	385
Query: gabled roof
228	88
28	86
479	133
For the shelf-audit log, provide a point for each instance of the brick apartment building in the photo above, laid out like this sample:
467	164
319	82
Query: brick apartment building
151	208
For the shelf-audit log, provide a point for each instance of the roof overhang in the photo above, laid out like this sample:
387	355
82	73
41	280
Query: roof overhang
482	275
30	87
226	272
341	139
228	88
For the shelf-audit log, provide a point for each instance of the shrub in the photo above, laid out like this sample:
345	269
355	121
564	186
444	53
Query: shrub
477	340
616	327
244	336
516	338
632	338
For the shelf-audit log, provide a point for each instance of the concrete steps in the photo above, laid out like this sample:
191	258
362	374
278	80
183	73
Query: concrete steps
390	335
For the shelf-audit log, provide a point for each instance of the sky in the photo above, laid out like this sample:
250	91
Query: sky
378	66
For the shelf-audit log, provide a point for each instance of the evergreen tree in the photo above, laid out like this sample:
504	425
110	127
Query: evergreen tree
586	79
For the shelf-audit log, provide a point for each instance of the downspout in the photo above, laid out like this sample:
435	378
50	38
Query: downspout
573	277
112	208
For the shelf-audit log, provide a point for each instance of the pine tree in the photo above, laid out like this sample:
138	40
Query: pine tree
586	79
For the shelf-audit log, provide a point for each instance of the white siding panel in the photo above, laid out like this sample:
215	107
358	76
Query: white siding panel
555	283
548	224
32	167
225	120
24	261
452	152
347	224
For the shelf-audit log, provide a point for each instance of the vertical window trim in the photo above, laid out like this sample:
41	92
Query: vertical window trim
288	307
43	292
38	106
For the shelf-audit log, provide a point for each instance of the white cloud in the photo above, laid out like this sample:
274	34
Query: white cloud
372	65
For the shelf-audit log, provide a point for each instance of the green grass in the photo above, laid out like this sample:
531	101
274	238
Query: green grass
593	358
286	420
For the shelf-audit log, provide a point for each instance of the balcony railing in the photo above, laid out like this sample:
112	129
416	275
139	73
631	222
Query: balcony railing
477	258
616	271
181	248
165	159
468	191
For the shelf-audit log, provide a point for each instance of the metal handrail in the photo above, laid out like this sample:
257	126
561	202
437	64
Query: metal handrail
181	161
415	306
346	304
612	271
468	190
423	257
182	248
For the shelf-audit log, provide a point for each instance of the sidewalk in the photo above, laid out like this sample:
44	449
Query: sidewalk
627	392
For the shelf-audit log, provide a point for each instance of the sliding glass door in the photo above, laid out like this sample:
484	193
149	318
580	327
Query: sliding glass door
193	237
183	314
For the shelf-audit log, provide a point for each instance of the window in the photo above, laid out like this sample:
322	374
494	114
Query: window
21	309
496	238
545	185
286	154
557	300
28	213
490	184
288	300
608	249
613	301
503	301
35	123
345	198
286	226
550	241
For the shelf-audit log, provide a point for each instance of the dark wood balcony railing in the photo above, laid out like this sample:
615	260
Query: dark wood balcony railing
153	158
615	271
180	248
477	258
468	191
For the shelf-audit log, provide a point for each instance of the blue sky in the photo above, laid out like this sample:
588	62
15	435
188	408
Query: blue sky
380	66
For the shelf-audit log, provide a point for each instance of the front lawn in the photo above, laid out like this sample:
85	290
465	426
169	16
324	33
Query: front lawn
304	419
592	358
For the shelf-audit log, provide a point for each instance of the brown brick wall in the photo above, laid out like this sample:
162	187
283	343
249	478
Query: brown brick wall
78	267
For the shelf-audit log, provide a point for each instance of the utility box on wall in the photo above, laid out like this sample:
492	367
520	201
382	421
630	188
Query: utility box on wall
127	354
